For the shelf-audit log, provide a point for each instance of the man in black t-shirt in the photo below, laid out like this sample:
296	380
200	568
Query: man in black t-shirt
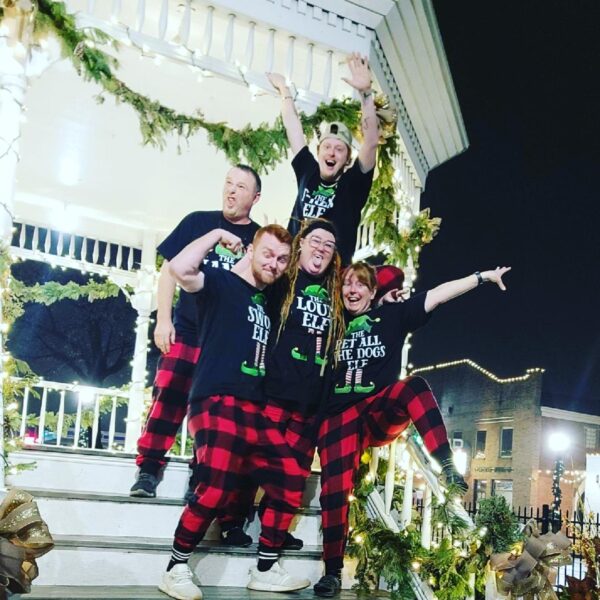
176	332
326	187
233	436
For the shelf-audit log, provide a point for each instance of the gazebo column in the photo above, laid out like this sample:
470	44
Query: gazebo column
143	300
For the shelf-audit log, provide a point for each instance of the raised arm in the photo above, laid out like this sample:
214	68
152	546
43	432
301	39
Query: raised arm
360	80
291	120
451	289
185	267
164	332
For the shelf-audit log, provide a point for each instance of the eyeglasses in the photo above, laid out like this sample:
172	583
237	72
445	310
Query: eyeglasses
317	242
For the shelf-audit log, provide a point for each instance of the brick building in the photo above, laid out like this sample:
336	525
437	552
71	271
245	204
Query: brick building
503	428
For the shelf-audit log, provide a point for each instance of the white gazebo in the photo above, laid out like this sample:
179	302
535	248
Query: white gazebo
77	187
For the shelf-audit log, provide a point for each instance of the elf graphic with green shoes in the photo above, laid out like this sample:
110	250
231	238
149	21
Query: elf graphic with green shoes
262	325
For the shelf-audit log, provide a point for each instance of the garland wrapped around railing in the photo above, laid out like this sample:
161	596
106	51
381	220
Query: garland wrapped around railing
455	555
263	146
16	374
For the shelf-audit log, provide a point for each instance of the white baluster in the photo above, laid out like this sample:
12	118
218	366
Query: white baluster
42	421
406	516
289	69
35	239
328	74
77	421
374	463
119	256
24	413
112	424
107	254
130	259
59	245
91	5
163	19
186	20
309	66
249	54
141	14
22	236
48	241
96	421
390	478
426	525
229	37
95	252
208	30
72	246
115	10
83	250
184	436
61	418
270	50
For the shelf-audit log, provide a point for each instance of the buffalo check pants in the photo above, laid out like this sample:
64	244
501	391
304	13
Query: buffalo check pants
172	384
235	439
342	438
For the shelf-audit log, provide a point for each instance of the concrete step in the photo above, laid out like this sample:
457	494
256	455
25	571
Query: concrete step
94	514
96	560
152	593
106	472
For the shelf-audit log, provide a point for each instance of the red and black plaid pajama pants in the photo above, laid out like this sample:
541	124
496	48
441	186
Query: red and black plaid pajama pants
172	384
234	439
374	421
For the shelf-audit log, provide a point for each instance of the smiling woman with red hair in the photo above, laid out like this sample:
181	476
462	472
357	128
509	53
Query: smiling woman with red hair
369	405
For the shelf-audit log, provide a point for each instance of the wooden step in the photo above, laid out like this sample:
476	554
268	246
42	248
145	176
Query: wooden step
152	593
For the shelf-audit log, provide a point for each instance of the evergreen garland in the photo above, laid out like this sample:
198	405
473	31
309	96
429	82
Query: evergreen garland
262	147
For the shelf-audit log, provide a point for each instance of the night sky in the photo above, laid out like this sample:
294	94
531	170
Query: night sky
524	194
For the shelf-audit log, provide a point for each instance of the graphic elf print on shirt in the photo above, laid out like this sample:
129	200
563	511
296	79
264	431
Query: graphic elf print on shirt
316	202
225	258
313	304
260	333
356	350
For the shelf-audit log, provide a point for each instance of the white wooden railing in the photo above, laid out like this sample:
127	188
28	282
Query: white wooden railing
67	404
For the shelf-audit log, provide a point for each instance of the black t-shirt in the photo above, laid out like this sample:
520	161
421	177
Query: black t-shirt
341	202
370	356
233	336
295	376
193	226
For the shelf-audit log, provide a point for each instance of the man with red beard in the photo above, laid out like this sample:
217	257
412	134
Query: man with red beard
326	187
233	436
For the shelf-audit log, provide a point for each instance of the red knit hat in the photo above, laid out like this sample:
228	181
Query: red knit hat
389	278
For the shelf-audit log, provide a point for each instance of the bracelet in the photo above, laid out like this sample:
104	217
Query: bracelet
480	279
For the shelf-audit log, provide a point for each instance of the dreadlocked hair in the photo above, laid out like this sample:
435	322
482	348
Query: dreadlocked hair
332	283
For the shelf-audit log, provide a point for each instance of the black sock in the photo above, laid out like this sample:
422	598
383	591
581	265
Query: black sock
267	557
178	557
443	454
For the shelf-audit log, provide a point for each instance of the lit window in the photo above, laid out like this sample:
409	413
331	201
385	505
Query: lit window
591	438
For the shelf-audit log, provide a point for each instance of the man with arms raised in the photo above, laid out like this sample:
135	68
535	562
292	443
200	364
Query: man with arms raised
328	186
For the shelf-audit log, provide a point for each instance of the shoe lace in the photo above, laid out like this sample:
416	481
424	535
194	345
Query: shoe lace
182	575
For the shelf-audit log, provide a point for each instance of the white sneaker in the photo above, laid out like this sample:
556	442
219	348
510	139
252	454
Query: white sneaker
276	579
178	583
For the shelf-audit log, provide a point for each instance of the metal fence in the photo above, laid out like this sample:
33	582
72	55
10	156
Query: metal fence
573	524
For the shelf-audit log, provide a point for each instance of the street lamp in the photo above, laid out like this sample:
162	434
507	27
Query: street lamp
559	443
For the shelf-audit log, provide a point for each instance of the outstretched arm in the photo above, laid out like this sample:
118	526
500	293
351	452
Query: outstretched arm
185	267
360	80
291	120
451	289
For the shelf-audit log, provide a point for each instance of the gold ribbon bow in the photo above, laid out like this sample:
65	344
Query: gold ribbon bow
532	573
24	536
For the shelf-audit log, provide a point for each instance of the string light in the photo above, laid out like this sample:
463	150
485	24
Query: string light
473	364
